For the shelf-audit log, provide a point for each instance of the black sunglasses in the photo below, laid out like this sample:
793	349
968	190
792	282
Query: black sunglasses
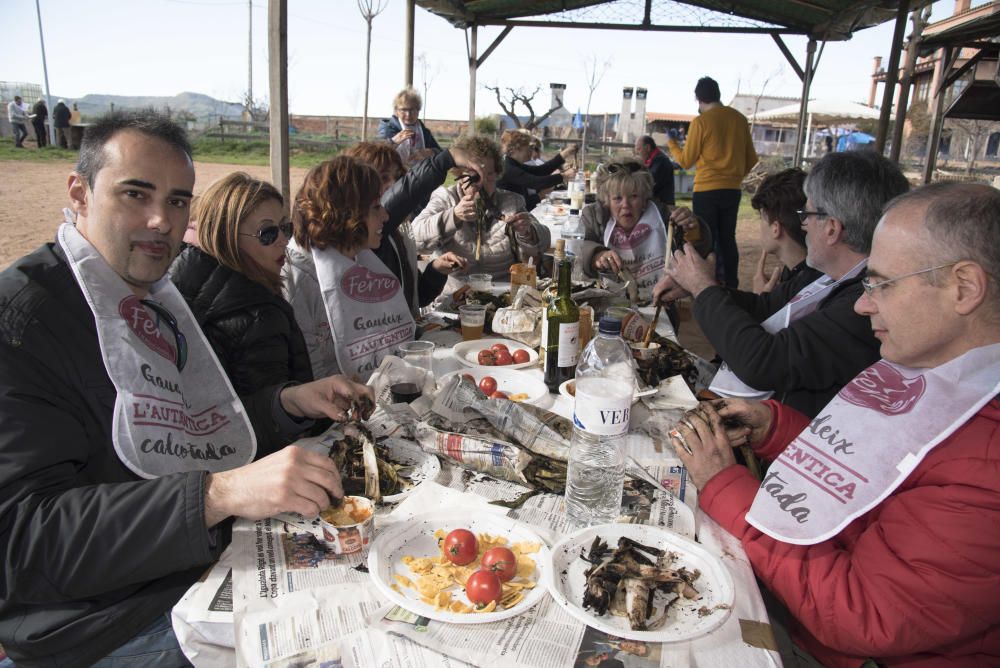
630	167
268	235
805	213
162	314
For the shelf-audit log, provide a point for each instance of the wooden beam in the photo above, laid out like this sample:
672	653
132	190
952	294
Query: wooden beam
495	44
891	76
408	48
636	26
937	117
470	48
804	105
277	68
788	55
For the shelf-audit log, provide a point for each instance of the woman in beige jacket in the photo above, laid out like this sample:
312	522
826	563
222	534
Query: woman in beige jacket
478	221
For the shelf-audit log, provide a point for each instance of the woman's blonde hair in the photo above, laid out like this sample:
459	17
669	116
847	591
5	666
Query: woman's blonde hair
221	209
331	207
512	140
479	148
407	96
626	175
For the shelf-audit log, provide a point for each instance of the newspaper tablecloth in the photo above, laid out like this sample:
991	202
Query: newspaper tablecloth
294	604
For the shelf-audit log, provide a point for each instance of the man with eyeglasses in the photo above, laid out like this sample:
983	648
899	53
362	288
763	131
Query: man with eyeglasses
124	452
876	524
803	341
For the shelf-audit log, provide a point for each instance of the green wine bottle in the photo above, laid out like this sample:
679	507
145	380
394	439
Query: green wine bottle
561	326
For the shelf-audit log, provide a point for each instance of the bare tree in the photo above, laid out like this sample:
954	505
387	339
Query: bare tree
974	132
763	87
427	75
595	72
509	98
369	10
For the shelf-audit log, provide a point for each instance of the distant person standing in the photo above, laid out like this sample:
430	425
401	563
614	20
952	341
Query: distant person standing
659	166
40	114
60	117
75	118
718	143
18	117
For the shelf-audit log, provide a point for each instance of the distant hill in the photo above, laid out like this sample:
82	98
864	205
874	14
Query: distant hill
202	107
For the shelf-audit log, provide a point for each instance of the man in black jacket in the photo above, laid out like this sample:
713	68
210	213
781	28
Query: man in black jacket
94	555
60	118
803	341
660	166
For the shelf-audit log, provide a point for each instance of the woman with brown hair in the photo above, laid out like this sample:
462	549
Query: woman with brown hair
402	191
350	306
526	180
231	280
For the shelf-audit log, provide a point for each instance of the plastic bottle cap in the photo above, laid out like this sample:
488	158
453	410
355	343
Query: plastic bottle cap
610	325
574	212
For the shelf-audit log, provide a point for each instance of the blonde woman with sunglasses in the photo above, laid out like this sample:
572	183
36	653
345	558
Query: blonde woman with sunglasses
231	279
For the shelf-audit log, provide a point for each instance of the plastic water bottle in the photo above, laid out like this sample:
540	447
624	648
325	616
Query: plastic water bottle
574	234
605	379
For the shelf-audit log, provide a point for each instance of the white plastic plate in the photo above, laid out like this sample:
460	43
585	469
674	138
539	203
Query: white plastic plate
467	352
415	537
509	381
683	622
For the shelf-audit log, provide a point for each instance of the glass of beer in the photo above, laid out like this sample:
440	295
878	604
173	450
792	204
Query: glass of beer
473	317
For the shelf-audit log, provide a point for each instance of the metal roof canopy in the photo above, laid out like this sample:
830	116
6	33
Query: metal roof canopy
819	20
981	97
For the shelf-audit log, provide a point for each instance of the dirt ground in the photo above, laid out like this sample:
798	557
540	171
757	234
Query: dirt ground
32	195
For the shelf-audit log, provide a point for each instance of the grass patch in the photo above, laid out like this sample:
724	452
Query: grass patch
32	154
254	153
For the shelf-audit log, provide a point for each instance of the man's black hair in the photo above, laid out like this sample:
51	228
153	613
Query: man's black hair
647	141
707	90
146	121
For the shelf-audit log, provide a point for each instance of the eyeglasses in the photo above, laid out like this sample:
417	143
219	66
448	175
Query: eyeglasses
803	214
870	287
268	235
630	167
180	343
407	110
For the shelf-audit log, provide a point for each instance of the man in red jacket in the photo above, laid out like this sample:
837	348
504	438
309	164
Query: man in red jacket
876	524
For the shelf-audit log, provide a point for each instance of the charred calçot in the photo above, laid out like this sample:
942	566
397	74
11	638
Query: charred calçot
364	466
625	582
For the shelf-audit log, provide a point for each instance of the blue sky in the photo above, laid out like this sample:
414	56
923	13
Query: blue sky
164	47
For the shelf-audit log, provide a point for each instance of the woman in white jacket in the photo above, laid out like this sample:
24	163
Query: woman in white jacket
487	226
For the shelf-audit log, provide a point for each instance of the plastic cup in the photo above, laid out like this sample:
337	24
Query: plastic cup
473	317
350	533
481	282
418	354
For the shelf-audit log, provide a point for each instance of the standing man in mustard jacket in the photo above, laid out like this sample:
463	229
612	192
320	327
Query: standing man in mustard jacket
718	143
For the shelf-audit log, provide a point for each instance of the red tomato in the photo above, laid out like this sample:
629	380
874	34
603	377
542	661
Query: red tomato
498	395
486	358
469	377
461	547
483	587
501	561
497	347
521	356
488	385
503	358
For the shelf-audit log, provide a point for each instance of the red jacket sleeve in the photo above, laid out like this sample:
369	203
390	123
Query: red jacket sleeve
917	573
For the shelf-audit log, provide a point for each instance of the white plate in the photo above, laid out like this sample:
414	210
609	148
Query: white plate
467	352
564	390
415	537
715	584
423	465
509	381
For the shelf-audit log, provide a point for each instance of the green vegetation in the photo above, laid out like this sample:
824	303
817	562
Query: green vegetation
205	150
234	152
47	154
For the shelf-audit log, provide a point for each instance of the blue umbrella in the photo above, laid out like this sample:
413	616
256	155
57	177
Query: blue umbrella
578	121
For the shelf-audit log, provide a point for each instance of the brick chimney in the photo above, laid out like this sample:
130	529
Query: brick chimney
639	122
558	90
874	87
961	6
625	118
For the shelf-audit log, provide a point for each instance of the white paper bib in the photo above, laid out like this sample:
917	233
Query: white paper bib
365	306
866	442
727	384
643	249
166	421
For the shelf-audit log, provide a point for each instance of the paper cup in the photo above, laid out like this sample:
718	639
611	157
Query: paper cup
349	528
640	352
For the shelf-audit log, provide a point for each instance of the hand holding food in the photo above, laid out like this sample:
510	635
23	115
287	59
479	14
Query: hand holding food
335	397
521	222
401	136
607	260
465	210
449	262
702	444
692	272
